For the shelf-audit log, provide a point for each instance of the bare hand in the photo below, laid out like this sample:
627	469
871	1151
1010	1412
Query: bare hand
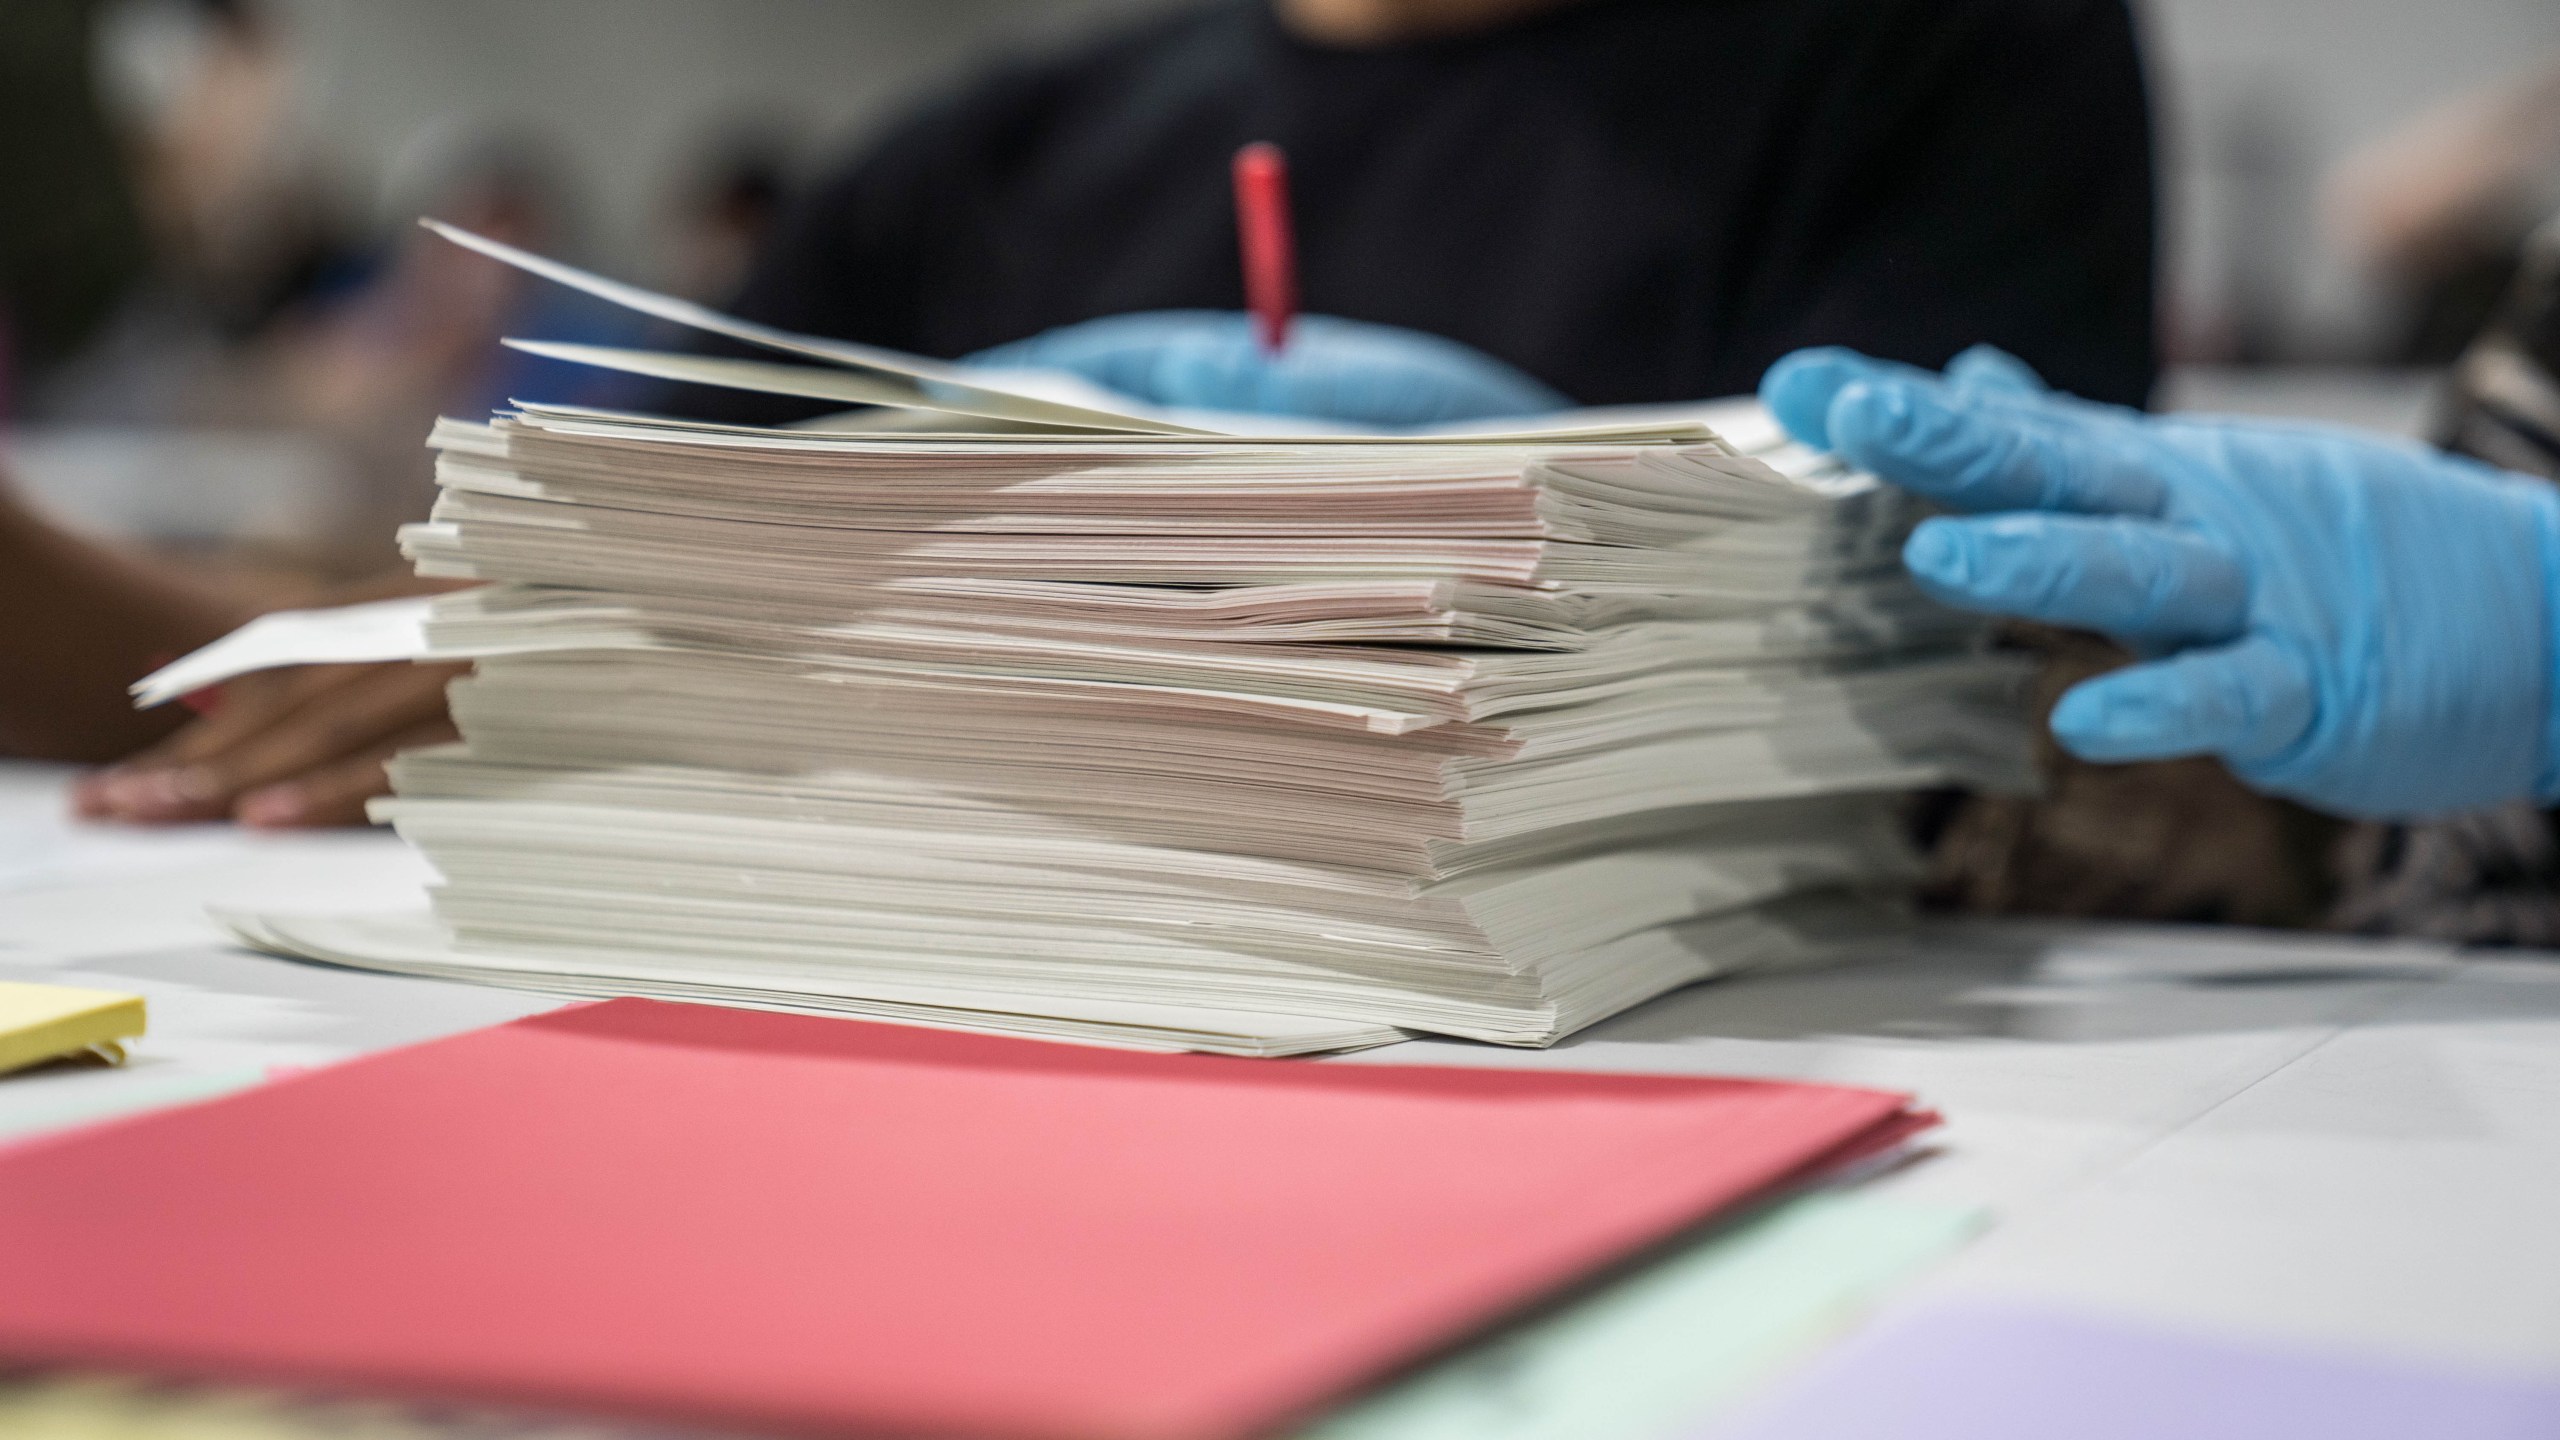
281	748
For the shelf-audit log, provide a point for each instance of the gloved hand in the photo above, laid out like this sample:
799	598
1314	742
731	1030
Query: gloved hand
2360	624
1332	369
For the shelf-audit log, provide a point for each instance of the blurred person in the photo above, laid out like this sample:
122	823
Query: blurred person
1617	201
1541	182
79	618
2439	207
417	336
1512	205
208	95
71	232
1996	182
723	212
305	746
264	315
202	95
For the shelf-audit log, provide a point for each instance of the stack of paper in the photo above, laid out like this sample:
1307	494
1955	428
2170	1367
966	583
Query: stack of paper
1111	726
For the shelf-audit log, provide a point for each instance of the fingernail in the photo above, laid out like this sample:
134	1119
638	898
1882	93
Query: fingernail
1939	551
275	805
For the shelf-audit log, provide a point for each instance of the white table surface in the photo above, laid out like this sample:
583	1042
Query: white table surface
2297	1138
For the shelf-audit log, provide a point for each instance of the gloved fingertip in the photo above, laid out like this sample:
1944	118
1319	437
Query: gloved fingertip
1940	552
1798	389
2115	718
1911	432
2111	724
1870	420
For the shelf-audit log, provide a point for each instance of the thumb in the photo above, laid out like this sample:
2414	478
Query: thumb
1164	357
2244	702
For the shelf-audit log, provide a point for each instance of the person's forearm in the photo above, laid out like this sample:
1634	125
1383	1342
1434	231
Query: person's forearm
78	622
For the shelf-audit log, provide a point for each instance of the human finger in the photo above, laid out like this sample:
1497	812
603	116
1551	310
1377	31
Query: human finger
2139	580
335	793
344	719
1800	387
154	784
249	704
158	785
2245	702
1993	454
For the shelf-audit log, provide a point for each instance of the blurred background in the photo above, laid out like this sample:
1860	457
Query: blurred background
240	344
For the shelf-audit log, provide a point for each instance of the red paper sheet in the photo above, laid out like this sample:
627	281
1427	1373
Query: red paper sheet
690	1213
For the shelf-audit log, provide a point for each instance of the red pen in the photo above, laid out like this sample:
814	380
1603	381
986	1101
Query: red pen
1270	256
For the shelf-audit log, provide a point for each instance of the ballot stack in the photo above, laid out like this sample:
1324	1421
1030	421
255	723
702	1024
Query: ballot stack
1230	743
1002	702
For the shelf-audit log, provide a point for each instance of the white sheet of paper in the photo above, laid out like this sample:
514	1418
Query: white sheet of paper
953	385
849	387
852	387
345	634
891	377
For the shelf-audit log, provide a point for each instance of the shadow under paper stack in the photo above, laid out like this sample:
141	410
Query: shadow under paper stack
1258	743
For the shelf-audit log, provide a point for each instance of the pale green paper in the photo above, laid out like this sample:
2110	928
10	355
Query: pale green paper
37	1103
1661	1350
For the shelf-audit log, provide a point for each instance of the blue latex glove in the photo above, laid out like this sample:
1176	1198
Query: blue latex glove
2361	624
1332	369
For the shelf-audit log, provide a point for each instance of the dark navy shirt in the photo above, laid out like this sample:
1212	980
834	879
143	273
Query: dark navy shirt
1633	200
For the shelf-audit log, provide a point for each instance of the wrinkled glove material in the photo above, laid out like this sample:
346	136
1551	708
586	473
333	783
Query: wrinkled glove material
2360	624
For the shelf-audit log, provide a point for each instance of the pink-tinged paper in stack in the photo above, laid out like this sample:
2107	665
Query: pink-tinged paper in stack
696	1214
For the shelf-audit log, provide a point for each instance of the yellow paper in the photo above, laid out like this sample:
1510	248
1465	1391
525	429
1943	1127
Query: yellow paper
46	1022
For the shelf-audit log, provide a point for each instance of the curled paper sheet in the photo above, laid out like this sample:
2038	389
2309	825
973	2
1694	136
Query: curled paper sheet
1047	400
342	635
